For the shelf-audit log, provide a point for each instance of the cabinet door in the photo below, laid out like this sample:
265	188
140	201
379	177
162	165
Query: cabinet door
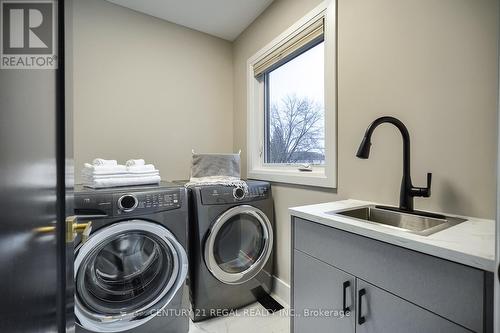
382	312
320	294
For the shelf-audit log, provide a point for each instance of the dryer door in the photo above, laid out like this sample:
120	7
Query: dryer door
125	274
239	244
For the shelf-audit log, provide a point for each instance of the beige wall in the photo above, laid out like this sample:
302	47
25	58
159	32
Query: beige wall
430	63
147	88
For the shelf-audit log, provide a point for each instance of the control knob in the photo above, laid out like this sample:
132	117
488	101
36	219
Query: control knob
239	193
128	202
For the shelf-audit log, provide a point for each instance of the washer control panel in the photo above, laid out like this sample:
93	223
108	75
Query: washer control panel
144	202
129	203
213	195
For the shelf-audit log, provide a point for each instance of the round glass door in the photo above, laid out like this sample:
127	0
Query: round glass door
239	244
124	271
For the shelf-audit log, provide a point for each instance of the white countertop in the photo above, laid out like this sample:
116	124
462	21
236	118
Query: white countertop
470	243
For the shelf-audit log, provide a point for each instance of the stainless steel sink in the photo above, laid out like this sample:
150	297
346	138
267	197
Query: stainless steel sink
412	223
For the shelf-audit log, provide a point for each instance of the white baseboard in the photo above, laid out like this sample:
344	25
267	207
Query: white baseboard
281	290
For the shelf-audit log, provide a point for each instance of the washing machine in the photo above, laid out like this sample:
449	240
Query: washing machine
231	247
130	274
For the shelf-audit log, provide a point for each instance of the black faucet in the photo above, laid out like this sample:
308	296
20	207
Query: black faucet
408	191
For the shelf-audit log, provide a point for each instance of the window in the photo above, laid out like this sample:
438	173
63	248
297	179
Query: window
292	104
295	110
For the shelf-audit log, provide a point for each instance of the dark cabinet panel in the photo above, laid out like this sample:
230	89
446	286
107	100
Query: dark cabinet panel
382	312
321	294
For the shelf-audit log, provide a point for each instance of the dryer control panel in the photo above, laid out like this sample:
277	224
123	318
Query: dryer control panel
130	202
217	194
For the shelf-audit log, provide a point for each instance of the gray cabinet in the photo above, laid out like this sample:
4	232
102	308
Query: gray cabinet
321	294
382	312
406	291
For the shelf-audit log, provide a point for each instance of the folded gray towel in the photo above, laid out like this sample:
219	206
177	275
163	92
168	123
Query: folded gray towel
216	169
215	165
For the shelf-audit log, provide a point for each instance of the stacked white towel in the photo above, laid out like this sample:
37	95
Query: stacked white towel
108	173
138	162
103	162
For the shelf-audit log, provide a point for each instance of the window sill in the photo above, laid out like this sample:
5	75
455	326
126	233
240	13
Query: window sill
317	178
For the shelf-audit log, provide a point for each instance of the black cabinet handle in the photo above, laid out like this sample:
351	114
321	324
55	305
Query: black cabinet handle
346	285
361	319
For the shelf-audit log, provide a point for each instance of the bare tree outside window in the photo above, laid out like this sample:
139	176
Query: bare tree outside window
295	132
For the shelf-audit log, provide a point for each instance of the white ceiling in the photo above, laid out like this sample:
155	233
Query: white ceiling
222	18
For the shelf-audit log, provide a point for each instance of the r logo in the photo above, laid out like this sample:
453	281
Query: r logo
27	28
28	34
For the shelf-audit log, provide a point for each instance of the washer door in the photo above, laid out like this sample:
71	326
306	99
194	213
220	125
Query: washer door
125	274
239	244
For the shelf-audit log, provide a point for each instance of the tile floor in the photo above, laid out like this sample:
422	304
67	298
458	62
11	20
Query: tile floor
251	319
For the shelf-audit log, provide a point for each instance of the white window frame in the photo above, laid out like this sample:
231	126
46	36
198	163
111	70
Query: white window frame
324	175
